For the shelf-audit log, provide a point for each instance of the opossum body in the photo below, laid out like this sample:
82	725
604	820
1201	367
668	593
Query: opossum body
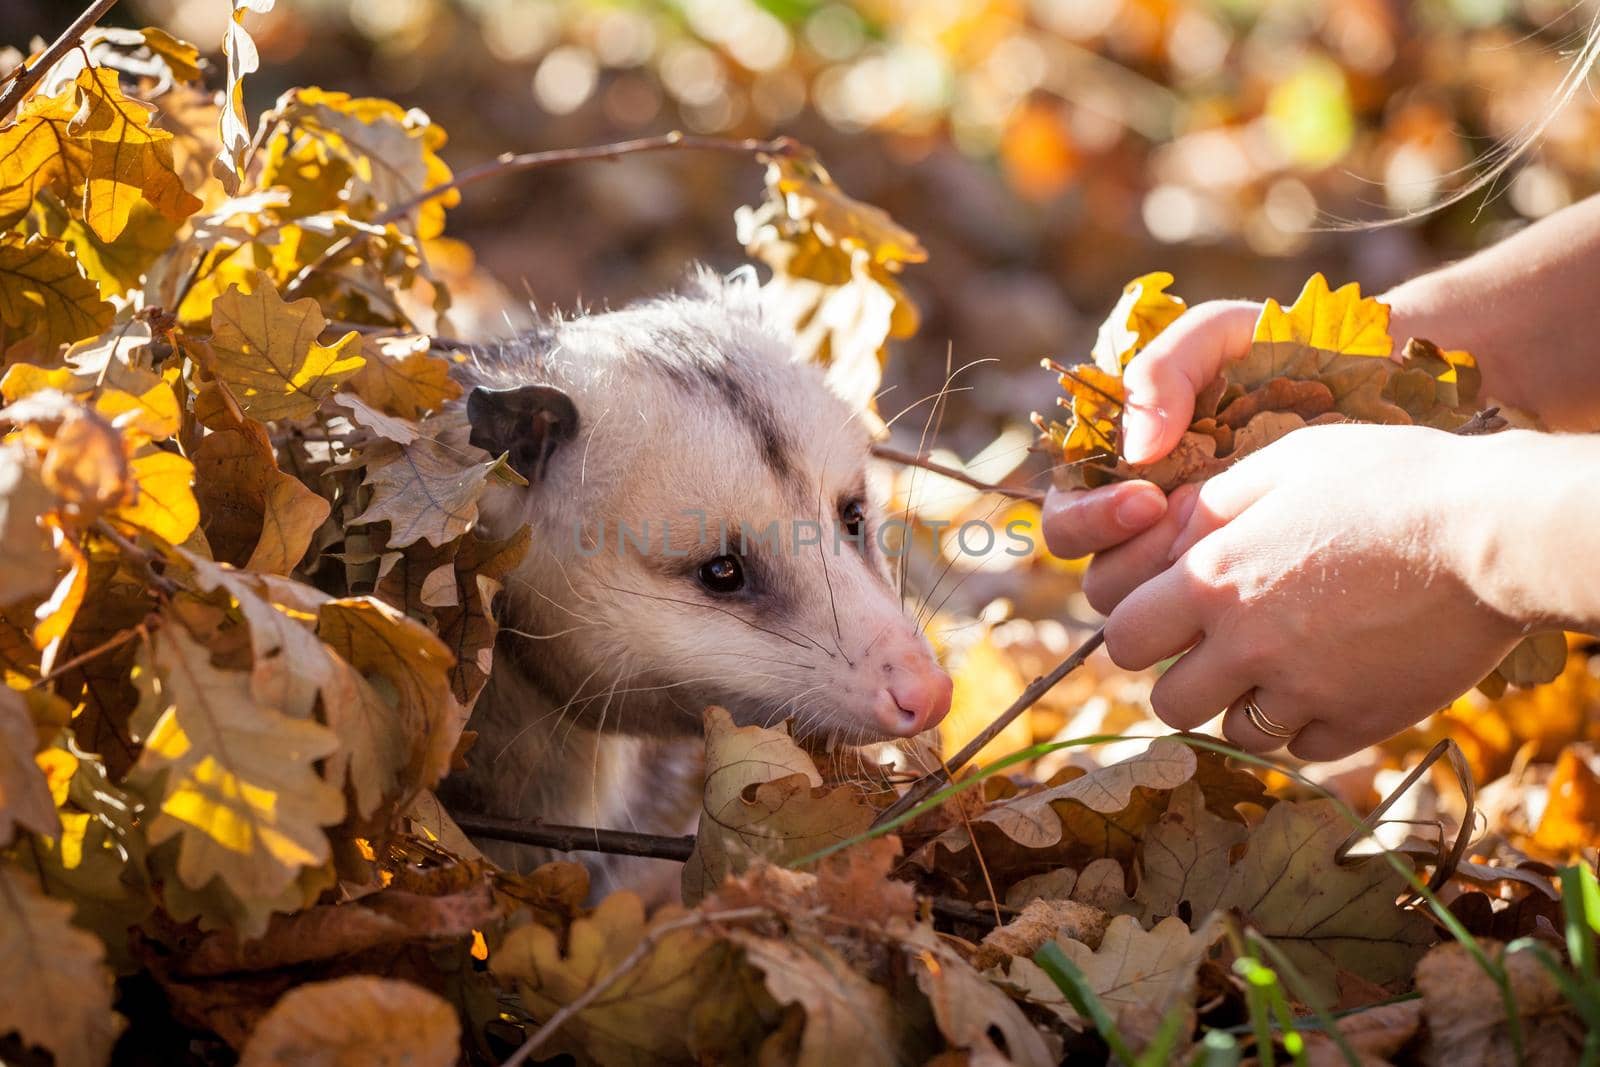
701	534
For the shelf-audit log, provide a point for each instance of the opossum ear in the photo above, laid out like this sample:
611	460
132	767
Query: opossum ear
529	422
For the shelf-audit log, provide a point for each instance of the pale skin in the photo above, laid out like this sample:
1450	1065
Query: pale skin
1352	578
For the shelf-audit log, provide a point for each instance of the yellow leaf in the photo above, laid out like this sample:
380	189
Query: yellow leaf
1339	322
25	799
163	496
840	219
235	782
44	297
1139	317
254	515
403	377
128	158
55	990
358	1021
181	57
266	352
38	152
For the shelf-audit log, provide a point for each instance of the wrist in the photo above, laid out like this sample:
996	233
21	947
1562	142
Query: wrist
1525	526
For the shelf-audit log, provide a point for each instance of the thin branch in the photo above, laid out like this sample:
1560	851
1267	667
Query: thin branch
26	77
160	582
577	838
117	640
909	459
931	782
511	163
640	953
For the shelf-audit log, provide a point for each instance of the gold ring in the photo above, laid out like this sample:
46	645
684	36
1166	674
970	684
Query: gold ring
1262	721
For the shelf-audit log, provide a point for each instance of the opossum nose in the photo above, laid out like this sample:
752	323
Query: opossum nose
918	697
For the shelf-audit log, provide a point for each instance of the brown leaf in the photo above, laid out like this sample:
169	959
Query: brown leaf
1308	399
28	562
55	990
25	799
1466	1015
404	378
254	515
1032	820
1184	858
968	1008
45	301
425	490
359	1021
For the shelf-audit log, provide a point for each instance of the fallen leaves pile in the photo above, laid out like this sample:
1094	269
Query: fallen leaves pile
245	611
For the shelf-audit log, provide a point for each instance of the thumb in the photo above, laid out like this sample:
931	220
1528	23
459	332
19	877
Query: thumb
1163	379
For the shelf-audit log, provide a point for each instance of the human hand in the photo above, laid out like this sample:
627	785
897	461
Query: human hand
1130	526
1331	573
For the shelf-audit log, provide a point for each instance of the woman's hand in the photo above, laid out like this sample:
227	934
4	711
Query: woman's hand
1334	574
1131	525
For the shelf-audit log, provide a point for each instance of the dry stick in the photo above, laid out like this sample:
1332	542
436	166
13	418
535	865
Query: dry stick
894	455
640	952
511	163
70	38
117	640
577	838
931	782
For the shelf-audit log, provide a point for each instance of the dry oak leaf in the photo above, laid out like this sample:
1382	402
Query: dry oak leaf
1570	822
55	990
234	781
44	297
254	515
234	126
848	1019
1467	1025
28	561
1184	859
129	159
266	352
38	152
426	490
1307	338
404	378
1140	975
1326	917
413	666
643	1015
358	1021
25	799
763	797
969	1009
809	195
1144	310
1032	821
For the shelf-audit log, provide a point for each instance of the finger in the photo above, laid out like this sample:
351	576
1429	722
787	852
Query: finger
1156	621
1077	523
1321	741
1241	732
1116	572
1196	689
1228	495
1163	380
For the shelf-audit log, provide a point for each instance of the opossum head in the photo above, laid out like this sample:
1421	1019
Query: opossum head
702	529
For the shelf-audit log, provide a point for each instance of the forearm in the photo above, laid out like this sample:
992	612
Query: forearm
1525	309
1529	527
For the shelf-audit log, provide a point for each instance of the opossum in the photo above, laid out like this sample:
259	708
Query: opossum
702	534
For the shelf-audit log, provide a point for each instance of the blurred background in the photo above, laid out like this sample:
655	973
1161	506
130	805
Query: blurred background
1045	151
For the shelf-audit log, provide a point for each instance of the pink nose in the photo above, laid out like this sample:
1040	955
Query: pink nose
916	699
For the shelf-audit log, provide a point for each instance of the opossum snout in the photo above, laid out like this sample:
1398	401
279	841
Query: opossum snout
916	690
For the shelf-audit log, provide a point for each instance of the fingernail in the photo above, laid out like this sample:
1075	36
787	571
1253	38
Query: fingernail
1138	509
1141	432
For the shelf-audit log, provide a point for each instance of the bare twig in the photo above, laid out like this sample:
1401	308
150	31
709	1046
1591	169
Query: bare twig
26	77
162	584
909	459
984	914
512	163
577	838
115	641
931	782
640	953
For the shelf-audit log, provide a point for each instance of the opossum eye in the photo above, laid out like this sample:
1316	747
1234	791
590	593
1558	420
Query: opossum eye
853	514
725	574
